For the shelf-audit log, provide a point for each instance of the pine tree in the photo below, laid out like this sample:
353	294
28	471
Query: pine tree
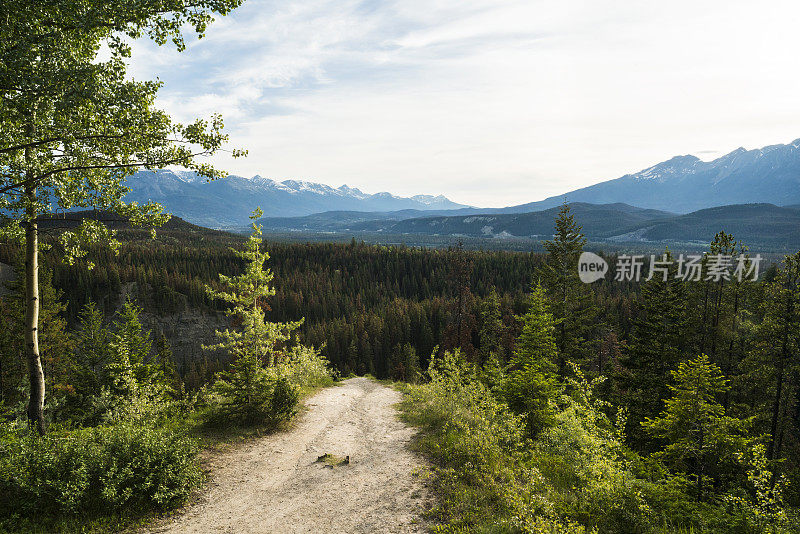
461	325
570	300
164	368
491	329
130	334
714	301
92	352
56	343
773	367
657	346
697	433
247	294
248	389
532	385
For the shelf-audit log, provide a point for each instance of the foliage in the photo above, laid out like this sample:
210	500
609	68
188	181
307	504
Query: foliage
657	345
570	300
74	125
252	392
576	476
762	508
532	387
772	367
306	368
698	436
478	447
56	342
244	393
257	338
491	329
95	470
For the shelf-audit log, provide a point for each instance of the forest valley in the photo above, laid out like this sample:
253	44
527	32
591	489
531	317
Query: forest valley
546	404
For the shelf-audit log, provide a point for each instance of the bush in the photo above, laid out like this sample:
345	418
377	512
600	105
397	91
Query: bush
251	393
284	399
484	476
96	470
305	367
577	476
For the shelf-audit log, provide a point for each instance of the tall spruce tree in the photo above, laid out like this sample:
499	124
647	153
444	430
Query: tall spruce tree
711	299
247	388
461	324
658	344
532	386
491	329
570	299
773	366
247	294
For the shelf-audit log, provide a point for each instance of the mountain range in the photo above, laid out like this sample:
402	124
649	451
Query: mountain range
668	200
229	201
686	183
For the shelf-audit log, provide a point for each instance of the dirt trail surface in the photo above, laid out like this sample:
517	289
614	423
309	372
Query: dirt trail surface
275	484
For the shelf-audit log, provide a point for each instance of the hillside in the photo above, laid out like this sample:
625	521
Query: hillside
753	223
756	224
472	221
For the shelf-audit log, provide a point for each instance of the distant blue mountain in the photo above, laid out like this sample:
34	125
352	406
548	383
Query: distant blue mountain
229	201
685	183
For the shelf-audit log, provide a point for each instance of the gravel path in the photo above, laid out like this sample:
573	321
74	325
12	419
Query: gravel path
274	484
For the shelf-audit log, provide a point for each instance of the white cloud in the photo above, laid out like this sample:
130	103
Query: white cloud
488	102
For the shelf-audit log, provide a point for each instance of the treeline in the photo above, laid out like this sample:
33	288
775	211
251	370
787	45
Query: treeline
121	433
363	303
688	423
386	310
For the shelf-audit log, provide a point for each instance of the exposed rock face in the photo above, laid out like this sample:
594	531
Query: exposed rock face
186	333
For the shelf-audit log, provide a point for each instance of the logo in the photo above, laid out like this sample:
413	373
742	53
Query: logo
591	267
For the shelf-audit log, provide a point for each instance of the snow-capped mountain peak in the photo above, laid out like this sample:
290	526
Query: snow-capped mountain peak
229	201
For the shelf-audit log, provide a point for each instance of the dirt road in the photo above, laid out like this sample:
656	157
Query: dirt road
275	484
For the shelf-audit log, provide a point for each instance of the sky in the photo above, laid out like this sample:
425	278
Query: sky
489	102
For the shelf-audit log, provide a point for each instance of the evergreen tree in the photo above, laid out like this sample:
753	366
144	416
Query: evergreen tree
248	392
699	437
165	368
491	330
461	325
56	343
404	363
247	294
714	300
93	352
570	300
131	336
656	348
773	367
532	386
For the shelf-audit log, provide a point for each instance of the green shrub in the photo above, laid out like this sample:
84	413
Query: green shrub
96	470
284	399
306	368
250	393
577	476
483	476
